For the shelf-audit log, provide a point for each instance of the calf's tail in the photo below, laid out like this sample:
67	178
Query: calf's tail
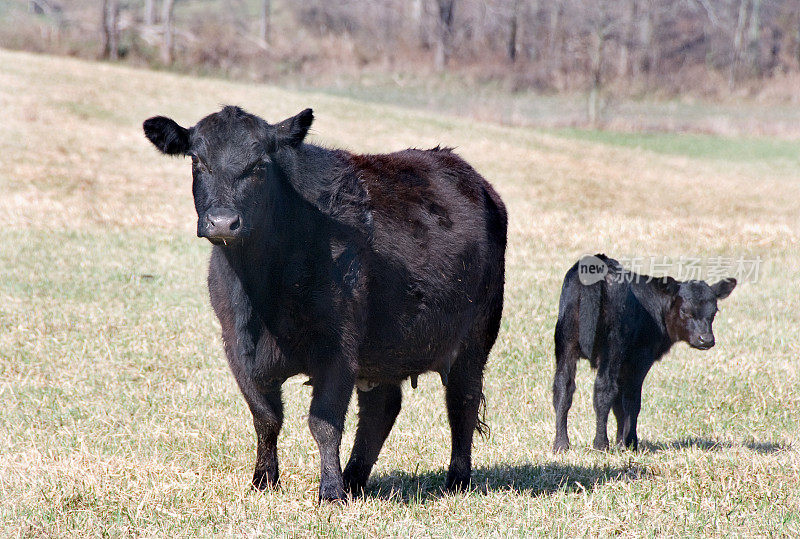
588	316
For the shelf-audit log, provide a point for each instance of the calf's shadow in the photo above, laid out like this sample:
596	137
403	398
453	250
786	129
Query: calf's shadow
708	444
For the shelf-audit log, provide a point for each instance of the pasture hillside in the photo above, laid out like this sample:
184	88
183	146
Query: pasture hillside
118	415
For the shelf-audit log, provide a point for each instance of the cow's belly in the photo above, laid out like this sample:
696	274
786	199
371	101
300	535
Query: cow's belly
414	340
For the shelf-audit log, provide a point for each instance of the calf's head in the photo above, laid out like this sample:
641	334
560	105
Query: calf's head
233	166
692	306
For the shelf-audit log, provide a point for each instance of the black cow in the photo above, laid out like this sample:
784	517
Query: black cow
622	323
352	269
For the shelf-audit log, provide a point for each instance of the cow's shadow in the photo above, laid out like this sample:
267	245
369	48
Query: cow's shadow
527	479
707	444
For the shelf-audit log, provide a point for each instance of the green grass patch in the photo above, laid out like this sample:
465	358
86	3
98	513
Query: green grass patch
694	145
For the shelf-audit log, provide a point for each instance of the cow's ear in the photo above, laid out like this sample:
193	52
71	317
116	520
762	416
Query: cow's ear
724	288
167	135
293	131
666	285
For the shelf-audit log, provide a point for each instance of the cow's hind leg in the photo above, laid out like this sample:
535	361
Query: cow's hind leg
464	395
377	411
605	394
619	415
563	386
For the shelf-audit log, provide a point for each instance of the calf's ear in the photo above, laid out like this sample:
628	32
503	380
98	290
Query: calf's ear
166	135
293	131
666	285
724	288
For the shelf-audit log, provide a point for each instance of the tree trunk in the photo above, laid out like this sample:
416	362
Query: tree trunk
168	44
111	29
646	39
264	26
738	35
512	33
797	50
554	39
754	38
628	46
594	105
150	13
444	32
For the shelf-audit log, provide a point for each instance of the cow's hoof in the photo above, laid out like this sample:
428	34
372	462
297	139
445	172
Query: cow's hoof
261	481
600	445
353	483
560	446
332	493
457	482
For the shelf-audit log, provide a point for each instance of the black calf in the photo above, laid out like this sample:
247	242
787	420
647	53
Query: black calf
622	324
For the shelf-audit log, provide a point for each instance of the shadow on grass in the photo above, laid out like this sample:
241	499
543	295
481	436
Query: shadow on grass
707	444
527	479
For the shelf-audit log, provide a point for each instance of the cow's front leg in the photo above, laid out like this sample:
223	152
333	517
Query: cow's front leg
267	409
329	399
263	399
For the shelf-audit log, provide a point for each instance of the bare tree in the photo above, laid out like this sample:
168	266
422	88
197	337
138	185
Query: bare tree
513	31
168	43
110	29
150	12
265	22
754	38
554	37
627	46
445	10
738	39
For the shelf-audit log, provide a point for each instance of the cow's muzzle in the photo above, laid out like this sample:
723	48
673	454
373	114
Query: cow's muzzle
220	225
703	341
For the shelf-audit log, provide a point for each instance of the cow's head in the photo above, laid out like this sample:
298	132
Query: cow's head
233	169
692	306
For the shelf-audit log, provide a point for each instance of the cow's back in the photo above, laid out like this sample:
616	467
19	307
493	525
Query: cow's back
436	260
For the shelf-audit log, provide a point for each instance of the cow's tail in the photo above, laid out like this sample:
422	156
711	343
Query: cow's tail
591	297
482	426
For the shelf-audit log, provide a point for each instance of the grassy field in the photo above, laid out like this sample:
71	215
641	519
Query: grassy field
118	415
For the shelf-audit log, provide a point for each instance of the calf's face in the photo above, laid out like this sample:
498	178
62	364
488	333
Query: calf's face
233	167
692	310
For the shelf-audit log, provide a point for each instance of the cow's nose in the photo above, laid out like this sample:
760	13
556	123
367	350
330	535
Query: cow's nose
706	339
222	224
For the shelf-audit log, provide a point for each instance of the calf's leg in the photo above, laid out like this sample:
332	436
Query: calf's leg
633	404
377	411
619	414
463	394
605	394
563	388
329	400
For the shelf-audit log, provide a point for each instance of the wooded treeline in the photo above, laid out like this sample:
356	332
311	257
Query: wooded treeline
674	46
